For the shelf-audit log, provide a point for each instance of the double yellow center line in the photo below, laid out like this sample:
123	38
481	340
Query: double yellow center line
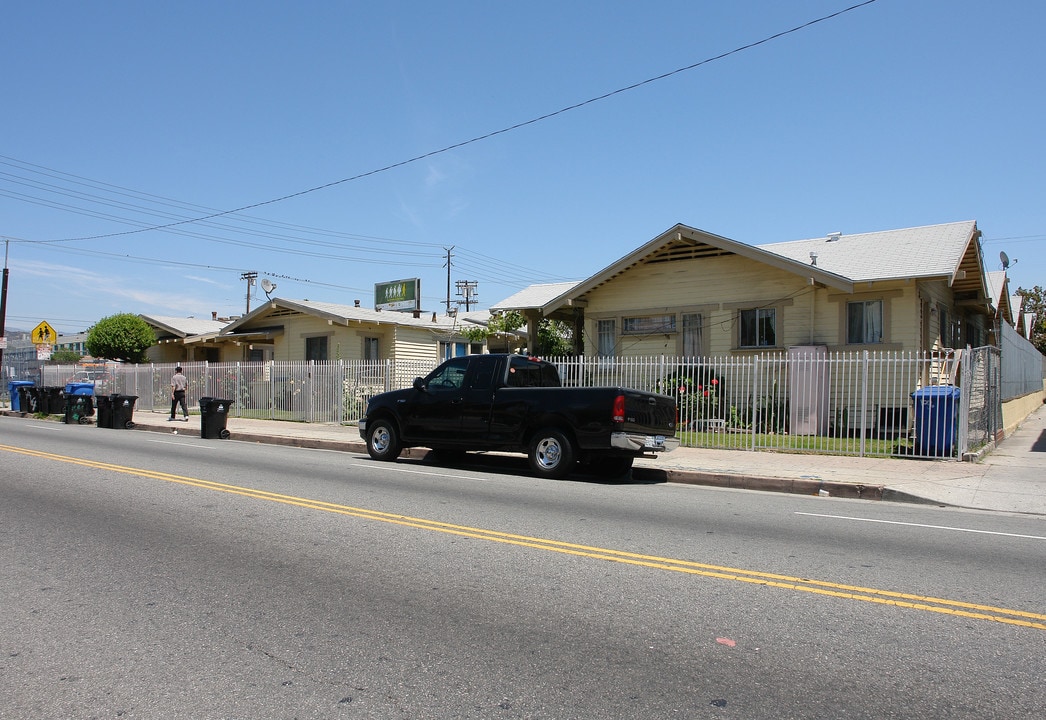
785	582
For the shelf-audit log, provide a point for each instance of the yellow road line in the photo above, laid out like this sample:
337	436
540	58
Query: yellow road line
820	587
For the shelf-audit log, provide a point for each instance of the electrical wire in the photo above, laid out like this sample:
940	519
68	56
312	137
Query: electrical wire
486	136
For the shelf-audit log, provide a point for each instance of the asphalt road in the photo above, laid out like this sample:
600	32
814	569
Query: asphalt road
165	576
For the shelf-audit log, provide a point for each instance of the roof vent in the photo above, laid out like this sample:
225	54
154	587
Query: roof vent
813	258
834	236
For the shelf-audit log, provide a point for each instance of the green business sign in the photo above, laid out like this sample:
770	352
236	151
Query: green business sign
398	295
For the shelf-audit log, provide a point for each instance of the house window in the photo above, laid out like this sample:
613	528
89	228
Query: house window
944	318
759	327
316	348
448	350
864	322
606	338
648	325
693	334
371	349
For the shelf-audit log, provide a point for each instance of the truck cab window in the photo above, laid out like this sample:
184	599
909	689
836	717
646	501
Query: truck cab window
450	376
523	372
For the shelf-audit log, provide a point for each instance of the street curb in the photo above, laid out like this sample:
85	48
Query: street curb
761	483
795	486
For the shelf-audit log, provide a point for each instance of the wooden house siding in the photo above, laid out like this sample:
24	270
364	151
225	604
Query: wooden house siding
414	344
716	288
719	288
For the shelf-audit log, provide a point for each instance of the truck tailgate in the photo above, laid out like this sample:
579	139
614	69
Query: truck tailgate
649	413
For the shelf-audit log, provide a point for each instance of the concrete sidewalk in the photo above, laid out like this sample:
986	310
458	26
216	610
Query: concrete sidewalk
1012	478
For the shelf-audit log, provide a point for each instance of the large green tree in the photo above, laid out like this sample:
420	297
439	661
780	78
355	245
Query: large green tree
122	336
1035	302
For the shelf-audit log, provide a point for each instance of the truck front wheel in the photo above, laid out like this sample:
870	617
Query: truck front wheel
551	454
382	441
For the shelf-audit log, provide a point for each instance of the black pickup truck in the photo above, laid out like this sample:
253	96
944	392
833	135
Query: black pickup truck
516	403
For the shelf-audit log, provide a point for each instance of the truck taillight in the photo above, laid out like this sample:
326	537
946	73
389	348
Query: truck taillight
619	409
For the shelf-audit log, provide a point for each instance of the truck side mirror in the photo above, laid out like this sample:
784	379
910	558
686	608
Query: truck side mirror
419	384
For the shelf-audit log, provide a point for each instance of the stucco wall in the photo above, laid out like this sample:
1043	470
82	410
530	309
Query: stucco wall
1015	411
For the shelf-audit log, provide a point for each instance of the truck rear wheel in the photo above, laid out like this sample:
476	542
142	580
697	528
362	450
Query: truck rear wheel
551	454
382	441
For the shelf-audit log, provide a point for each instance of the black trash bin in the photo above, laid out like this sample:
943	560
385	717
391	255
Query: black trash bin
37	400
28	398
78	409
52	400
123	410
213	415
104	403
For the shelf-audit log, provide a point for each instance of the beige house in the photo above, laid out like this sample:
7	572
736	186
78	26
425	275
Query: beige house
691	293
302	330
184	339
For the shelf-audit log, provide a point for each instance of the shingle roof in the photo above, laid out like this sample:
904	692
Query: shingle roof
928	251
349	313
184	327
534	296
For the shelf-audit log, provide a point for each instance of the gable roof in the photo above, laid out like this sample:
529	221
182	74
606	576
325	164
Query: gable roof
183	327
533	297
947	251
681	242
339	314
996	286
950	252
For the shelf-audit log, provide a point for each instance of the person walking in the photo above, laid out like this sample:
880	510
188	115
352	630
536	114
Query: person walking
178	383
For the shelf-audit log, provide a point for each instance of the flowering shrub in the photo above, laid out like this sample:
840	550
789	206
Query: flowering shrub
697	397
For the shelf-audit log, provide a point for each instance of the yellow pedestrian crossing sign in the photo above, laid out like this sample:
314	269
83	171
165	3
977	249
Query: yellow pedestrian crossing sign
44	334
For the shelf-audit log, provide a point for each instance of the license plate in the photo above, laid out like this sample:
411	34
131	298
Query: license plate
656	441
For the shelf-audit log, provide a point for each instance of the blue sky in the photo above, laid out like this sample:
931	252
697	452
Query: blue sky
125	115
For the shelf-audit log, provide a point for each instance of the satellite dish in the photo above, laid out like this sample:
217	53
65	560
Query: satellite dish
268	286
1005	260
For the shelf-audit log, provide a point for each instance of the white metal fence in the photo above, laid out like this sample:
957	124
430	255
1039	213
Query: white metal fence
935	405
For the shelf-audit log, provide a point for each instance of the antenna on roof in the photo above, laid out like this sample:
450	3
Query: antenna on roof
1005	260
267	286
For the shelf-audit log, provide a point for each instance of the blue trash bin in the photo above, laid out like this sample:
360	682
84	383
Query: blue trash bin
79	388
936	419
12	390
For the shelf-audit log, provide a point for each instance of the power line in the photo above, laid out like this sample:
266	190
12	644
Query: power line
487	136
493	268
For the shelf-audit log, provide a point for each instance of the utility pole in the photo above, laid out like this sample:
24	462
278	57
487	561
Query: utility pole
449	256
467	289
249	277
3	308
